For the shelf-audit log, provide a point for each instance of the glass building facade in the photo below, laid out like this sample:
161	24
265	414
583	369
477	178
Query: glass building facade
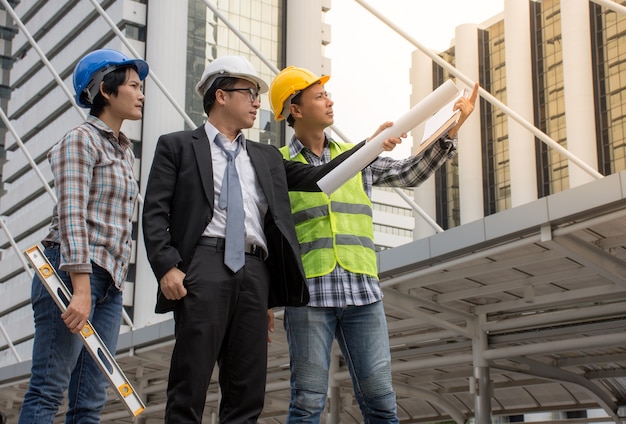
609	48
260	22
552	167
447	177
494	122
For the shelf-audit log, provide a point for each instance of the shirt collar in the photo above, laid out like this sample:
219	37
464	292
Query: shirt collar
121	139
212	132
296	146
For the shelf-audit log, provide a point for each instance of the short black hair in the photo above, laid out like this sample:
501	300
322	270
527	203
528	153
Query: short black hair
220	83
111	83
295	101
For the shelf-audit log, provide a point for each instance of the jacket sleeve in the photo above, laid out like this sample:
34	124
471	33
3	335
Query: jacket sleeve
160	189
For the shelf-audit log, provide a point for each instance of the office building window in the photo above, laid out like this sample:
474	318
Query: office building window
134	32
7	33
5	92
494	122
549	95
396	231
608	35
392	209
447	177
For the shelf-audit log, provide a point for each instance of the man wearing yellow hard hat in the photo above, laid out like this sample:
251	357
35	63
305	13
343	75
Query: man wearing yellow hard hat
336	238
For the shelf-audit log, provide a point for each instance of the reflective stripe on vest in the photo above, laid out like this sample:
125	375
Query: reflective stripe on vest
334	230
322	210
327	243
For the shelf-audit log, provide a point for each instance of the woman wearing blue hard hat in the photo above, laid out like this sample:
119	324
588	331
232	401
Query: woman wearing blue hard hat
89	242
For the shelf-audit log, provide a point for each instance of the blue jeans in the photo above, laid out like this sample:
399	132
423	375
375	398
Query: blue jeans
362	335
59	360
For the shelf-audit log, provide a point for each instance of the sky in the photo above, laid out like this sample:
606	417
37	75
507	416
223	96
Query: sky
370	62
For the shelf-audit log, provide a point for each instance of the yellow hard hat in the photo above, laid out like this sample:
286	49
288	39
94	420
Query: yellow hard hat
287	83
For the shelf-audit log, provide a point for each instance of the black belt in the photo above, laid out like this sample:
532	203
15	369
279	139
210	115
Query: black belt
219	243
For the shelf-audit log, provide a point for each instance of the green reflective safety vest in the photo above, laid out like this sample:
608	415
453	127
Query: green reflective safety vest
335	229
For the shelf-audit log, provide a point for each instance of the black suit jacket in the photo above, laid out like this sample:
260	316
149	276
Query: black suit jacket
179	202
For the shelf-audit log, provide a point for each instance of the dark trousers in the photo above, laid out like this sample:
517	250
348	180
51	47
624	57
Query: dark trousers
223	319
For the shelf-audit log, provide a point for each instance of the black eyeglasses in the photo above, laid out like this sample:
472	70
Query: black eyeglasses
253	92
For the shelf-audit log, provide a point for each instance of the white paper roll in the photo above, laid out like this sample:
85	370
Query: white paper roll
415	116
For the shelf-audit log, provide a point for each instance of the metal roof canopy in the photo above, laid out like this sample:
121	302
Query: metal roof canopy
533	297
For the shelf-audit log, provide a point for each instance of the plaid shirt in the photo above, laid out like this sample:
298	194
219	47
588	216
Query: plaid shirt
341	288
97	191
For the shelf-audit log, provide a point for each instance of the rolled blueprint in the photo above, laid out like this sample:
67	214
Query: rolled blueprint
415	116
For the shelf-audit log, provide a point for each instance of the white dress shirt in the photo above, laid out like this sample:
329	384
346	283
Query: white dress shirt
254	202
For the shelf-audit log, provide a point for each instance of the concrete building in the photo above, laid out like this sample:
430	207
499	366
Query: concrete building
7	32
517	307
557	65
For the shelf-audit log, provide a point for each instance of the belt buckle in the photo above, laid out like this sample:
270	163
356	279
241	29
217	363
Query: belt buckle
254	250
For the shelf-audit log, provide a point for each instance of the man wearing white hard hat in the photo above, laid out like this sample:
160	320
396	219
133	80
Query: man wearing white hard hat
221	241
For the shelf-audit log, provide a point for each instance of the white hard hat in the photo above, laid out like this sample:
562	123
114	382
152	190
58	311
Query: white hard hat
229	66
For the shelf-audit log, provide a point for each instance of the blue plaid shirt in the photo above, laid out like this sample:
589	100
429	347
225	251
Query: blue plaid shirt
341	288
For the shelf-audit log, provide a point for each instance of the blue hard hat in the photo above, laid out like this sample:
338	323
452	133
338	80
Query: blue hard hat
92	68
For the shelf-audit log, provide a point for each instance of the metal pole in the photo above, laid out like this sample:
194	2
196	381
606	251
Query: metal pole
482	395
10	343
16	248
419	210
616	7
28	271
602	341
480	385
334	416
30	159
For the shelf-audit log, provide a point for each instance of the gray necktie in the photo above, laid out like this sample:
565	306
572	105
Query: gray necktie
232	201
